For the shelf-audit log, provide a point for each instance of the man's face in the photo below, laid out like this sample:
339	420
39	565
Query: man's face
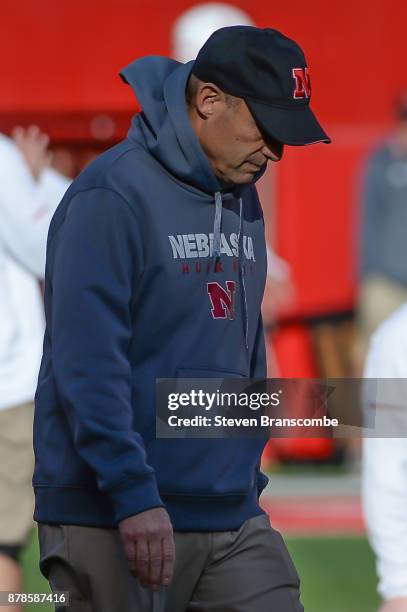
233	143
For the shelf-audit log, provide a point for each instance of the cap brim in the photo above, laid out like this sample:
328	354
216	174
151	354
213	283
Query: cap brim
295	126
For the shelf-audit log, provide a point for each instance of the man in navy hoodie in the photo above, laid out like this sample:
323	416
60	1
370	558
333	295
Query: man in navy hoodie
156	266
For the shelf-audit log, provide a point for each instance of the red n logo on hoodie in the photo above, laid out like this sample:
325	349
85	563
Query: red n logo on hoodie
222	300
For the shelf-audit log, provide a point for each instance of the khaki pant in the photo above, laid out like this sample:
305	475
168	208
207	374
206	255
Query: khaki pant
379	297
248	570
16	469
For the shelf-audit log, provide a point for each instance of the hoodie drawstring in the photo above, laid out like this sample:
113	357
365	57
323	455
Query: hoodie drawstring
216	252
217	224
245	314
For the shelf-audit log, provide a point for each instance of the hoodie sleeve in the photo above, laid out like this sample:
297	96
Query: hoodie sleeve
94	260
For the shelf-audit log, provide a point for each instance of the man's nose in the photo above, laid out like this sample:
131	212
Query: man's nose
274	153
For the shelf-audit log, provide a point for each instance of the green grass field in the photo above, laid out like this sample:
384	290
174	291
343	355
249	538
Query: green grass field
337	574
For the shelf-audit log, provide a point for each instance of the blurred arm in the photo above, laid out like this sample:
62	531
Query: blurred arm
372	215
52	186
279	291
384	475
26	207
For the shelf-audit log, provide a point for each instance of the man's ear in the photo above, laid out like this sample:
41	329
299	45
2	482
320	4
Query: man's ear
208	97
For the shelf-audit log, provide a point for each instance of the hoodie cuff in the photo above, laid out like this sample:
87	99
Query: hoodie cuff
135	496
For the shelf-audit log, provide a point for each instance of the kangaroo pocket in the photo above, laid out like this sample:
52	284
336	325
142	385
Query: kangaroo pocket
206	467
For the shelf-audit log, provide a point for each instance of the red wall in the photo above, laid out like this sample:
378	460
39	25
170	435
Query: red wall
65	55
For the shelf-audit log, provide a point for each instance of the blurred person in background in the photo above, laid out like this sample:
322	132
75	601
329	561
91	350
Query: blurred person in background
29	193
384	473
383	256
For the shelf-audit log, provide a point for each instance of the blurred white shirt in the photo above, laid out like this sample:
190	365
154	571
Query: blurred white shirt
384	473
26	208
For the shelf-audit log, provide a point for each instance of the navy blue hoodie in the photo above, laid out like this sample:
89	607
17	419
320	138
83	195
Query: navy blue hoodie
136	251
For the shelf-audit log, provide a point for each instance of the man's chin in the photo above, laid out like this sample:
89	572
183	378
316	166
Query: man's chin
239	178
246	177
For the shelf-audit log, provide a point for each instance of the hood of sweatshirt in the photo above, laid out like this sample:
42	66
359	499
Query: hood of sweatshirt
159	84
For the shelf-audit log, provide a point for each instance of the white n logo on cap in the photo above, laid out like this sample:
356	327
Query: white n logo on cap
302	83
